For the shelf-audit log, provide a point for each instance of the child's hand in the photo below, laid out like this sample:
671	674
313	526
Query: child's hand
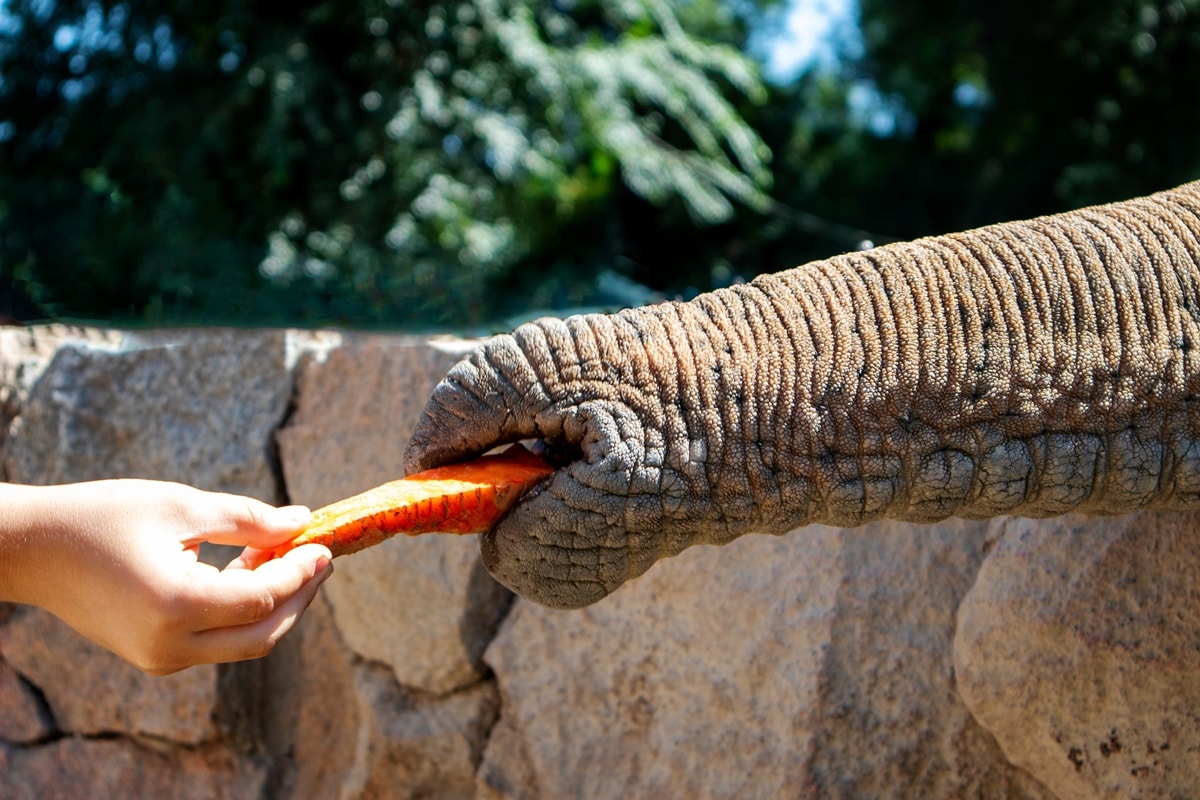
117	560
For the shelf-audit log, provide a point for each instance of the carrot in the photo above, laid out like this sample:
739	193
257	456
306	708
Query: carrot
460	498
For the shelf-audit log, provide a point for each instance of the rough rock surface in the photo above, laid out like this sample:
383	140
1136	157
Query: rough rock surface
22	716
816	664
356	406
363	734
90	691
414	745
77	767
891	722
201	409
423	606
313	718
1077	648
24	354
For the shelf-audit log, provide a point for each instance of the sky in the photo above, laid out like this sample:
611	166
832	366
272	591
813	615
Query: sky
805	35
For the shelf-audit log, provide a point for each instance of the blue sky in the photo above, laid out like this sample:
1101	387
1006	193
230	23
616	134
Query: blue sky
805	33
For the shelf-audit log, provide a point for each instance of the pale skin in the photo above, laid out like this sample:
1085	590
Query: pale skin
118	561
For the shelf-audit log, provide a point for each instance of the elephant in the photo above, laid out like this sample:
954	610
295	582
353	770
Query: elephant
1029	368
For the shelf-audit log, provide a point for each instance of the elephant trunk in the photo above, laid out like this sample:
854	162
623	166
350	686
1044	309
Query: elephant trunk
1031	368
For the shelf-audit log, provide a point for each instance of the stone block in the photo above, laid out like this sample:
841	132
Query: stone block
23	718
91	691
815	664
200	409
354	731
1077	649
423	606
355	407
413	745
24	354
76	767
312	713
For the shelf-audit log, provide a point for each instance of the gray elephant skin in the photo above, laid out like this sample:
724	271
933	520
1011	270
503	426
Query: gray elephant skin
1032	368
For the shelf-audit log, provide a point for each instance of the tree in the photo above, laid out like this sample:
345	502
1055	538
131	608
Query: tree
360	162
950	115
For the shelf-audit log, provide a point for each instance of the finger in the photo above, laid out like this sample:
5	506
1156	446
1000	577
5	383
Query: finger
247	596
258	639
492	397
237	520
556	549
251	558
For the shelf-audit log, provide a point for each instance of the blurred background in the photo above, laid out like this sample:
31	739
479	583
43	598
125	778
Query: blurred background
461	165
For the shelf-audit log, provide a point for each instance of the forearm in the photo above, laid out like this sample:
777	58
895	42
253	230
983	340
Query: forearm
30	522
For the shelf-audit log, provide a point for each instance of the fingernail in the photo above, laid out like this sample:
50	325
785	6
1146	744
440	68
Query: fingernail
294	516
324	568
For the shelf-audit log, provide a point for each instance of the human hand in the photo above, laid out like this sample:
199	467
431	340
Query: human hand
118	561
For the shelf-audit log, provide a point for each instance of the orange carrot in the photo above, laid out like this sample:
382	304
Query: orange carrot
459	498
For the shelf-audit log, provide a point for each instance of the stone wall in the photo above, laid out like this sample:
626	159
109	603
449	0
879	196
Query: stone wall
1010	659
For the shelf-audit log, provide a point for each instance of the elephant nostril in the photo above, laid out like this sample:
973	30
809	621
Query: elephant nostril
538	447
557	453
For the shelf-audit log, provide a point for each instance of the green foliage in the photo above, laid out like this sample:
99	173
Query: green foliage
956	114
945	116
378	162
355	162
